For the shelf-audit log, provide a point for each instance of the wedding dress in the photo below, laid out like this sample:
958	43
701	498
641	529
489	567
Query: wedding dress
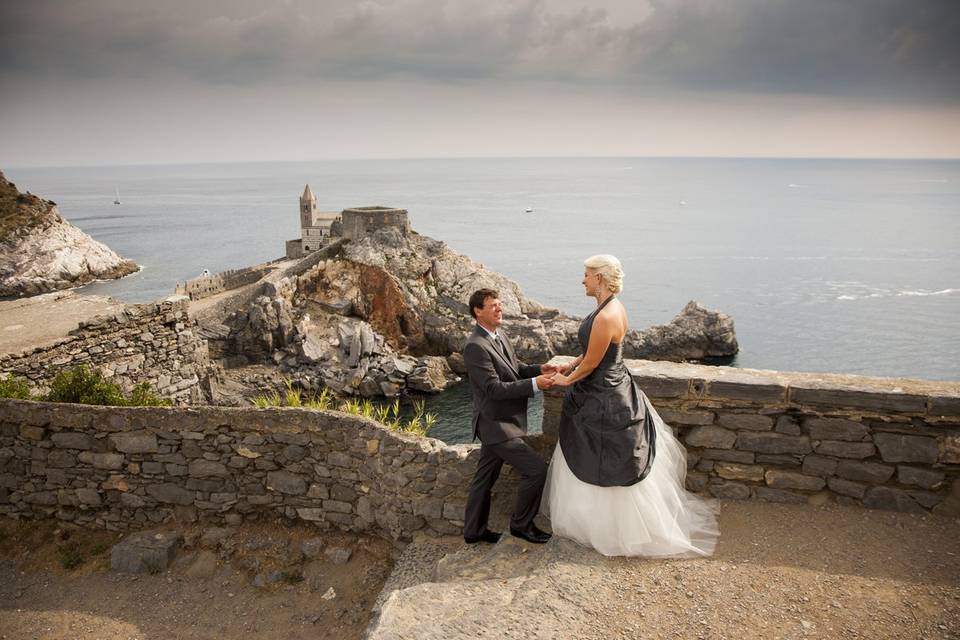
616	480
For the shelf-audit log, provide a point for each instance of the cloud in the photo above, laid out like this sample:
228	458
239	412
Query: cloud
892	49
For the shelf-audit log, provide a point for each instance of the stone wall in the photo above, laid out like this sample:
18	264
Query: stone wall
124	468
797	437
360	222
206	286
155	343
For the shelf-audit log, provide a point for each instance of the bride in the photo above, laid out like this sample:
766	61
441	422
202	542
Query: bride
616	481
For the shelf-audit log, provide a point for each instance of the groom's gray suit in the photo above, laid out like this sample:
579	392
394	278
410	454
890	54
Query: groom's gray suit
501	385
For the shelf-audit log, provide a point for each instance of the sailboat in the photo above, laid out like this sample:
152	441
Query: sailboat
117	199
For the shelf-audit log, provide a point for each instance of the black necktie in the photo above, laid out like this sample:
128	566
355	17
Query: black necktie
503	348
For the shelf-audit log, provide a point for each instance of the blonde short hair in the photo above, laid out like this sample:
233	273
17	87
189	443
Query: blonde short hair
609	267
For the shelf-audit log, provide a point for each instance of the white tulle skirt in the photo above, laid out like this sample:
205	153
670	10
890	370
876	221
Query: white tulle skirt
656	517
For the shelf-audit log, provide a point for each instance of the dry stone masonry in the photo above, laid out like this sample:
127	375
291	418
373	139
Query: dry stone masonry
795	437
123	468
155	343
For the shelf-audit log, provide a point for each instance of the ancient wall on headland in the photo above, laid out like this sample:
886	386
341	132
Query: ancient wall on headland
155	343
798	437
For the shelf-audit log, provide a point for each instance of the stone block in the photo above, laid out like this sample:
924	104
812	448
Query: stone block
339	459
732	471
286	482
926	478
146	552
839	449
763	442
152	468
89	497
728	455
61	459
335	506
819	466
294	453
944	406
753	391
696	482
926	499
950	448
310	513
132	501
43	498
693	418
135	442
72	440
891	499
787	425
659	387
869	472
712	437
847	487
835	429
852	398
748	421
318	492
31	432
779	479
729	491
207	469
171	493
769	494
897	447
340	492
780	459
108	461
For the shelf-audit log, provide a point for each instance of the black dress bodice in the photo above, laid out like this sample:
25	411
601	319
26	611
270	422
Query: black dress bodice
606	433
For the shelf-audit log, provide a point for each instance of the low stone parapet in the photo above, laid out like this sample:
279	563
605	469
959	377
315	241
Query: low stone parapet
124	467
797	437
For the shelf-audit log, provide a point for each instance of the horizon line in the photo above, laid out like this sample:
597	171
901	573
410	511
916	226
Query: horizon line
487	157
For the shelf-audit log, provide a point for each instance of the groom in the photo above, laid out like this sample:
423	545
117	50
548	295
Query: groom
501	385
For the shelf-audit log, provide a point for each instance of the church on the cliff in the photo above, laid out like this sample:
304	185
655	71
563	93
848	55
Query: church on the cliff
319	228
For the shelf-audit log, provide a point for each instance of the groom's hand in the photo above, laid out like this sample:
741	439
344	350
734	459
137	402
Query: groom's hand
550	368
545	381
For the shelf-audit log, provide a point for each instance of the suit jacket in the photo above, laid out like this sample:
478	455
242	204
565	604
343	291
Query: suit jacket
501	386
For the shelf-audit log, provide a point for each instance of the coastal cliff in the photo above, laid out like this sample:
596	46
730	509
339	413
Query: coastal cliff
388	312
42	252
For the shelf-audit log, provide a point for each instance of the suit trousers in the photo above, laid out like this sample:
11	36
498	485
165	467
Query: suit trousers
533	474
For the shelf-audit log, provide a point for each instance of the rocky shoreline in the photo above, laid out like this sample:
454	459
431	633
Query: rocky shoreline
387	314
41	252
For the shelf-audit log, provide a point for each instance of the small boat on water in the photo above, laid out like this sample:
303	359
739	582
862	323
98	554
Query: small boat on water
528	210
117	199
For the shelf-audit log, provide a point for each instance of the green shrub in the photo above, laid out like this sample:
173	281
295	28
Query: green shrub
16	388
70	555
81	385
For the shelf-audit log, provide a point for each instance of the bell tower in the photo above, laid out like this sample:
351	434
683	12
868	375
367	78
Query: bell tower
308	208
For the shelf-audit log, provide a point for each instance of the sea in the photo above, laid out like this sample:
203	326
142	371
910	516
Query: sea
848	266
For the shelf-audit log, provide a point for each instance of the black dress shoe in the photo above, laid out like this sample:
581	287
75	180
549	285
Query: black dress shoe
487	536
531	534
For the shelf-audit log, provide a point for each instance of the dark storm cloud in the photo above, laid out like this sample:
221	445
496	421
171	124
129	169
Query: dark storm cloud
890	49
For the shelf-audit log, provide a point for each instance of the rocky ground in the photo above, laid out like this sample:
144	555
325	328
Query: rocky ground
26	323
780	571
41	252
254	582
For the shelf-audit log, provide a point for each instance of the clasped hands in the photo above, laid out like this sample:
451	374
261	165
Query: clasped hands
553	375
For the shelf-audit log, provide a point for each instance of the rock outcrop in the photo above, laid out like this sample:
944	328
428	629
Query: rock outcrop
388	313
42	252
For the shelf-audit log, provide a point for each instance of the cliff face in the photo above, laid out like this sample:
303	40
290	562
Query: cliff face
389	312
41	252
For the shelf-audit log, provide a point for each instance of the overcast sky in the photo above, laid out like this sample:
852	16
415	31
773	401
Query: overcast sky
127	81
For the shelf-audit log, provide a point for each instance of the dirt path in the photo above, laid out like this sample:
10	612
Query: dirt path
37	321
780	571
208	593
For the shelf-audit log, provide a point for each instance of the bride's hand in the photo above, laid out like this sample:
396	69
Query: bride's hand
561	380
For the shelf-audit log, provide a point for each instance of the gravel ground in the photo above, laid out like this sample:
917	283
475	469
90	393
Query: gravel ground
207	593
780	571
